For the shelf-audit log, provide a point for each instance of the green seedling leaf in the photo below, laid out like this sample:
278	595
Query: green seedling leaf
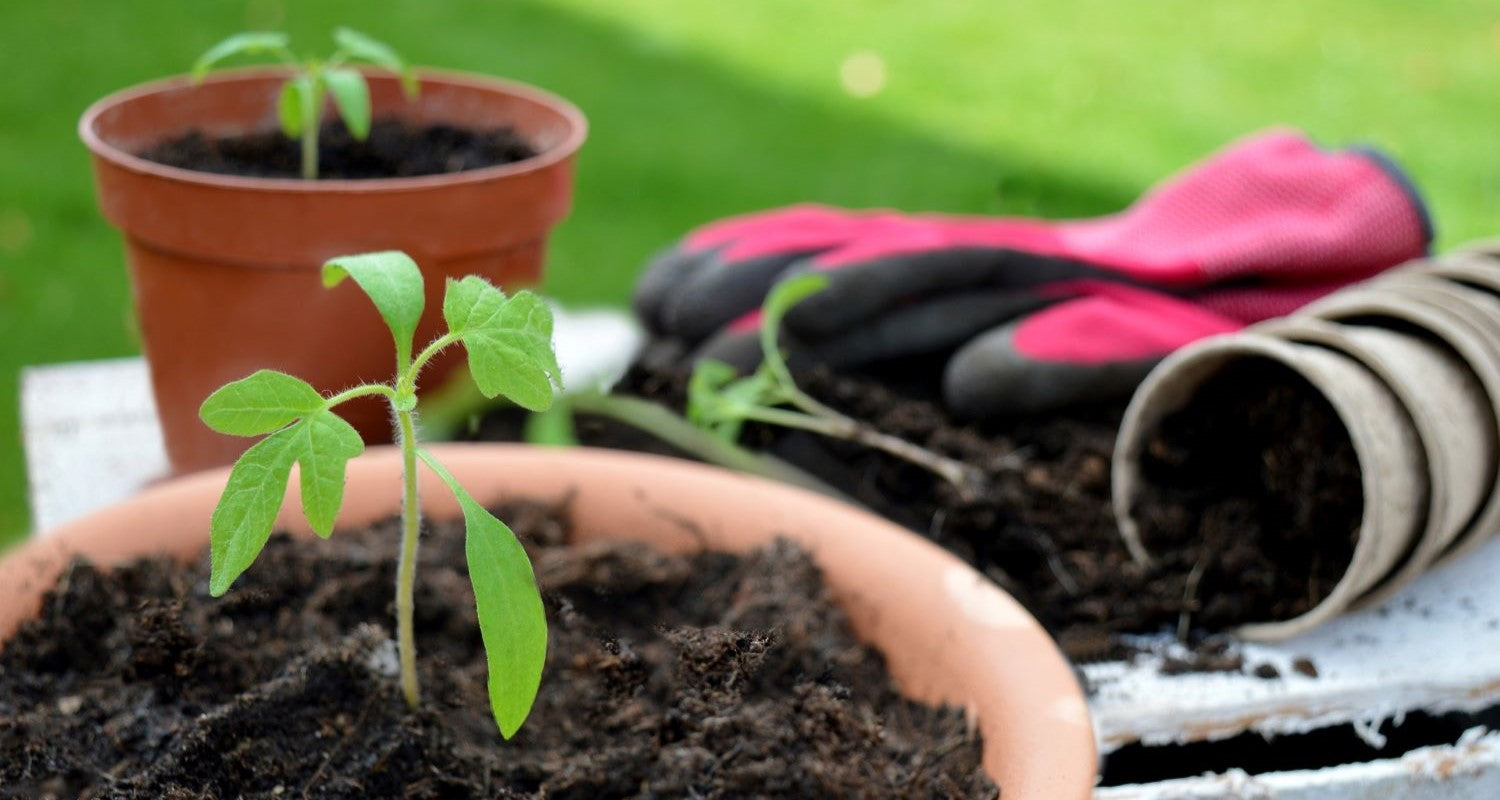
242	520
718	398
352	97
250	43
781	298
512	622
321	443
364	48
293	104
325	443
263	402
552	428
394	283
509	340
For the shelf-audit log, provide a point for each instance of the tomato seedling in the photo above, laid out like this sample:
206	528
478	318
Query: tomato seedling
509	344
721	401
299	106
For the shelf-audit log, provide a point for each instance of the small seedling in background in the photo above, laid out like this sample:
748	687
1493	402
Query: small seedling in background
509	343
300	103
721	401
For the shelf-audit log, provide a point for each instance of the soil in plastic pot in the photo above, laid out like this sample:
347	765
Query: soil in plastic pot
394	149
1045	530
707	676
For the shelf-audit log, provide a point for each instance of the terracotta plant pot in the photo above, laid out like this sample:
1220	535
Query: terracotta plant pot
224	269
1393	468
949	635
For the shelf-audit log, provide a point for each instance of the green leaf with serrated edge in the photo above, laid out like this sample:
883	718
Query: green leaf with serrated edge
512	622
509	340
259	403
325	443
364	48
551	428
249	43
246	512
393	282
292	103
351	95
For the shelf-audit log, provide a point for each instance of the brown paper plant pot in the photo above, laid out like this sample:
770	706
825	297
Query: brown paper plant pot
1392	464
1468	322
225	269
1454	420
949	635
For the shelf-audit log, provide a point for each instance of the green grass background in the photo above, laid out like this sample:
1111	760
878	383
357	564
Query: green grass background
700	109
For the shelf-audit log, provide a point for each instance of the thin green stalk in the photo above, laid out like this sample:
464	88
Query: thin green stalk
363	390
408	379
411	523
658	421
835	425
313	103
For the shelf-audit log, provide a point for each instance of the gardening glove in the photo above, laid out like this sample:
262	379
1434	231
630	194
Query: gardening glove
1039	315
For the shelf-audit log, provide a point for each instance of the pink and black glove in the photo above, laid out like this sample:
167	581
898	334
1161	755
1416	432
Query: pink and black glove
1039	315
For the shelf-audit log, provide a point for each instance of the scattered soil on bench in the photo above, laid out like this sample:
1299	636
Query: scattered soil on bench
668	677
394	149
1045	531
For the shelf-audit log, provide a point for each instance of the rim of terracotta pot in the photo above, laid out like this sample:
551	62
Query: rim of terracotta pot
961	639
577	132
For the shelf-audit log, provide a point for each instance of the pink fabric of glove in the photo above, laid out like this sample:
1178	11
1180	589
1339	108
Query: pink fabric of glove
1035	314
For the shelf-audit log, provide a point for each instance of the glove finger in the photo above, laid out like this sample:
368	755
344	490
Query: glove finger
663	274
737	348
717	292
725	268
934	325
1254	303
1085	350
859	292
803	218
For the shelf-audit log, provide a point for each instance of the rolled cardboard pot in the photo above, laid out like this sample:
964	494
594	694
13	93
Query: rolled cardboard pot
1483	247
1464	319
1477	268
1393	468
1452	414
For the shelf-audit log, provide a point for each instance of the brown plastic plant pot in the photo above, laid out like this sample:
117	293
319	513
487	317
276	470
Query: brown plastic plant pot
1468	322
225	269
1393	468
948	634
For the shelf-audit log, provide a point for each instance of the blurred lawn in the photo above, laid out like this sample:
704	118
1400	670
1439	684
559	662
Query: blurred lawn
703	109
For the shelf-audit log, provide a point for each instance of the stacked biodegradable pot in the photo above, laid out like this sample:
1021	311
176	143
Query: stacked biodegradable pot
1410	362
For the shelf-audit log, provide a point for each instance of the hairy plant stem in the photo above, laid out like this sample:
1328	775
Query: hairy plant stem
406	568
402	398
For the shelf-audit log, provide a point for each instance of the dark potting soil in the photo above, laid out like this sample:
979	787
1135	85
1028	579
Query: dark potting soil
1256	485
667	677
1045	530
394	149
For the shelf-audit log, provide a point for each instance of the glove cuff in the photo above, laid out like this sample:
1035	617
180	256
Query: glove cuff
1403	182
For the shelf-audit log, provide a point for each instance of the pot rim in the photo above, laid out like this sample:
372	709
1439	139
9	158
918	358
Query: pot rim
577	131
974	646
